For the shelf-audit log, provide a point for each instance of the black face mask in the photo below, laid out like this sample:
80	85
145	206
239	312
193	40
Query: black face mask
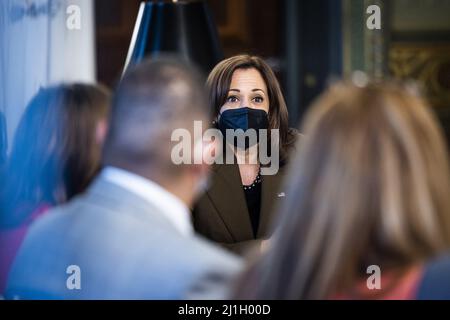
243	118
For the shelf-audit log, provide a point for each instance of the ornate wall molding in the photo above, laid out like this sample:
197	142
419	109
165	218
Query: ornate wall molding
427	63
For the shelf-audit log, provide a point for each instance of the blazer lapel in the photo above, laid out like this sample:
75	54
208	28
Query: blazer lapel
229	199
270	197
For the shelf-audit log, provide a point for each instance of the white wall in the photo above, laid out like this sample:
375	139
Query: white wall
37	50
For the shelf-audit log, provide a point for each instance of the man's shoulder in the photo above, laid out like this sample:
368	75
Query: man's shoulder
47	221
140	232
213	252
213	270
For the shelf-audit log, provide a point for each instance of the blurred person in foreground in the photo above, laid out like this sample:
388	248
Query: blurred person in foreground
130	235
371	186
55	155
3	141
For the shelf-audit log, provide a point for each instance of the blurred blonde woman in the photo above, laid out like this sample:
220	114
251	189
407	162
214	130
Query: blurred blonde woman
371	186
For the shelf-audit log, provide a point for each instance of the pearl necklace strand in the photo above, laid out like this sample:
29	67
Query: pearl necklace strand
257	180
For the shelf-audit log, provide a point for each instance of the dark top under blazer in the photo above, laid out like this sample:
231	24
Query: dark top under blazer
221	213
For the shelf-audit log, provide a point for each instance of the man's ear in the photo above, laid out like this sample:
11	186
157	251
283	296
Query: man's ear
100	131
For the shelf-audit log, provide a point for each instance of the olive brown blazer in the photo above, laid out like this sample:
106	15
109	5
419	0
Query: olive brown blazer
221	213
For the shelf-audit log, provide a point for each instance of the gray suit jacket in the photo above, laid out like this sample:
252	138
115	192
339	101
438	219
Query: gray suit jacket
124	249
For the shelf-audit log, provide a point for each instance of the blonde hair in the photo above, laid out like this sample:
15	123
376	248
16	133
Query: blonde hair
369	186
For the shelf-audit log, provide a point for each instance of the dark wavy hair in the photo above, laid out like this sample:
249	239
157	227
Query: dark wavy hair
55	154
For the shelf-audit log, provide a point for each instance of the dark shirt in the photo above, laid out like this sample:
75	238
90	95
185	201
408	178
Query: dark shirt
253	199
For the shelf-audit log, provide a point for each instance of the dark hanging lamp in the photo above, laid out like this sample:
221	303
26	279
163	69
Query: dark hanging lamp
185	28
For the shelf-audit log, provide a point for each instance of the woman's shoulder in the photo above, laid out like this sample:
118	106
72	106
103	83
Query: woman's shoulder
23	215
294	134
290	146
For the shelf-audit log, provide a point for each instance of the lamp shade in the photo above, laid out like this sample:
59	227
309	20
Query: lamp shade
185	28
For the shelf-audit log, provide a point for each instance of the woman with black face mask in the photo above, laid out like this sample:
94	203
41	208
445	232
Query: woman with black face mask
248	107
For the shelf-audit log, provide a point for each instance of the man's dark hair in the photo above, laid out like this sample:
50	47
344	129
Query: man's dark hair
153	99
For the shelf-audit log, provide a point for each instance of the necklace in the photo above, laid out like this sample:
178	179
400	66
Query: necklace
255	182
